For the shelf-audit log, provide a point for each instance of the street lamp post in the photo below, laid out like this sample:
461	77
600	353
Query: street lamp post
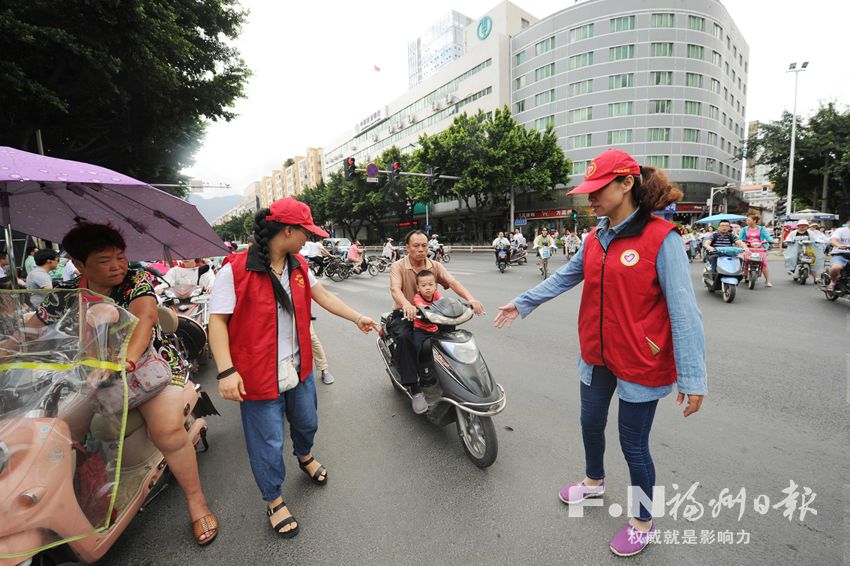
792	68
714	191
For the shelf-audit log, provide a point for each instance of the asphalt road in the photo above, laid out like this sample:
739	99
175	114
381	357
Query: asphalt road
401	490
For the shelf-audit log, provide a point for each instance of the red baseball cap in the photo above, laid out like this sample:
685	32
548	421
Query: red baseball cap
290	211
607	166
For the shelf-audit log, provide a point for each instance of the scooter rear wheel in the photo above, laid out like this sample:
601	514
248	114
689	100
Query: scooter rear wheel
728	292
478	437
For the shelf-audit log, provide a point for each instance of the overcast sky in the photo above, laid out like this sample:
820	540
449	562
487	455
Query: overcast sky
314	77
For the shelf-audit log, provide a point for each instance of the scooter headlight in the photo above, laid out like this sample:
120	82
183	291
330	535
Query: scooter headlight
170	294
464	352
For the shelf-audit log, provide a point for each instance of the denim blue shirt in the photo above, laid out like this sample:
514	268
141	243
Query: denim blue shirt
674	277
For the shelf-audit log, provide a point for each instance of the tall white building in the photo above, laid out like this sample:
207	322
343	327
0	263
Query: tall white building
436	48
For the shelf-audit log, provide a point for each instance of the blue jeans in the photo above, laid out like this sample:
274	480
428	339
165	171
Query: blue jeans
635	422
262	423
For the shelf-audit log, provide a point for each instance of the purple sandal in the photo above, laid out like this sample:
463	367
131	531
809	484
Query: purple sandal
630	541
577	492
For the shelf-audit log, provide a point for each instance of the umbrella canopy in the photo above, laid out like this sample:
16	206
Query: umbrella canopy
45	197
718	217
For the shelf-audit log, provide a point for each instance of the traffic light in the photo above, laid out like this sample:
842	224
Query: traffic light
575	215
349	168
395	174
434	175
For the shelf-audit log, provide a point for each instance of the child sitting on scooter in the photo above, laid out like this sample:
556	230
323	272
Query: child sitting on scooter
426	294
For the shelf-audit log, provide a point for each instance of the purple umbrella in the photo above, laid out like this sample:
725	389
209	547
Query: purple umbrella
45	197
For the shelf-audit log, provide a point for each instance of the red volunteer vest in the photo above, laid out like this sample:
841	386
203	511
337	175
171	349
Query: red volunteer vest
253	325
623	321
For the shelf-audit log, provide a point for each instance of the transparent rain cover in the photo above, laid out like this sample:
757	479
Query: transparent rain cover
60	452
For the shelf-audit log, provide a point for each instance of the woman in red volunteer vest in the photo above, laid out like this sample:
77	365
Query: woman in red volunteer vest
260	336
639	327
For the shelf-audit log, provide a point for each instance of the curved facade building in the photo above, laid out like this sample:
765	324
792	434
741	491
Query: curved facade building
664	80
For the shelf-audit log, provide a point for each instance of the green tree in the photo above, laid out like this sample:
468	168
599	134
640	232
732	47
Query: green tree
126	85
492	155
237	229
821	158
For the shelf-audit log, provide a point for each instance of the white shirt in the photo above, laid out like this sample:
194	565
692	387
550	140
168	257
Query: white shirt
389	249
519	239
311	249
2	272
223	301
69	271
433	243
842	235
179	276
499	242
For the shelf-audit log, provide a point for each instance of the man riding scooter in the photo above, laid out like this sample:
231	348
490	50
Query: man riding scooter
500	243
402	289
723	238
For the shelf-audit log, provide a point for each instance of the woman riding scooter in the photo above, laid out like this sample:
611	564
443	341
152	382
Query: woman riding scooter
97	251
757	239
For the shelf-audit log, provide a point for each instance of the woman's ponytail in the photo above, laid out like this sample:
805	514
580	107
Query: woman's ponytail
653	190
262	236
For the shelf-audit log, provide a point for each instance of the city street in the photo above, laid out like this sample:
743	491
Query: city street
401	491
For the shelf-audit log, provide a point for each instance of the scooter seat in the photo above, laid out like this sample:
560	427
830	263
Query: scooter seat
167	320
107	428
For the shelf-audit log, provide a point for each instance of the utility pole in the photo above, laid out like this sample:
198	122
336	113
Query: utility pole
792	68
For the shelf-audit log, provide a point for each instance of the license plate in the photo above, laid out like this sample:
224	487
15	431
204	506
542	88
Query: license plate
755	256
808	260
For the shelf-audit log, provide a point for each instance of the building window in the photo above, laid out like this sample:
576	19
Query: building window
746	67
725	94
544	122
581	60
621	52
578	142
619	136
715	86
519	58
544	72
580	115
581	87
524	23
660	49
520	106
621	81
542	47
713	112
693	79
710	164
519	82
623	24
728	42
696	23
660	106
582	32
690	135
712	138
658	135
544	97
716	58
620	109
726	65
693	107
694	51
734	52
580	167
661	20
660	78
658	161
745	88
718	32
690	162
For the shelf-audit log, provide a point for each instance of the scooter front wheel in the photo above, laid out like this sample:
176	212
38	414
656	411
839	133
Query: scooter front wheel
478	436
728	292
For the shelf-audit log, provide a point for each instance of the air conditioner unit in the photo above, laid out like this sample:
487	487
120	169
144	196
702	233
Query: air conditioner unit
450	99
436	105
393	129
374	137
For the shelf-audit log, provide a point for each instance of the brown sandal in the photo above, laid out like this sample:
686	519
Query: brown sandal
206	525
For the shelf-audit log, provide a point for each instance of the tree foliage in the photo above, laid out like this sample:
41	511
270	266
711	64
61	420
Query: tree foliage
492	154
237	229
127	85
821	157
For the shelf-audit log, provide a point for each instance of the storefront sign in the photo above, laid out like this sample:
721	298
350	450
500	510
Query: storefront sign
553	213
372	119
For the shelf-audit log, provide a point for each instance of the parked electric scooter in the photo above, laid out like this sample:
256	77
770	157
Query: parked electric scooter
518	256
63	499
190	304
459	386
728	272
